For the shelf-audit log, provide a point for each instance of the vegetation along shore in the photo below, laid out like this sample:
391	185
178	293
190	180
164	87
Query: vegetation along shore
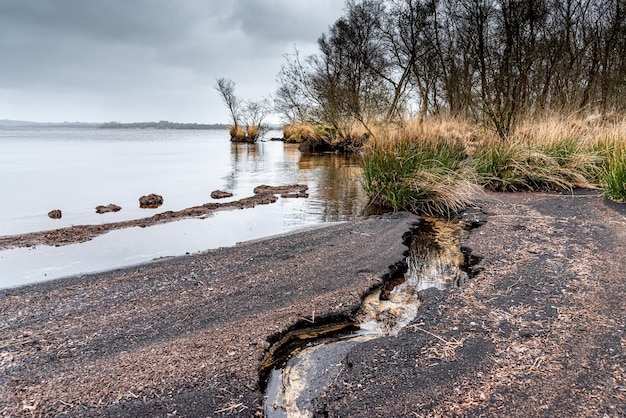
439	96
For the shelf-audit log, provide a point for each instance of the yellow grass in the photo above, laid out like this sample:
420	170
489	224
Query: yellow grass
237	132
296	133
253	131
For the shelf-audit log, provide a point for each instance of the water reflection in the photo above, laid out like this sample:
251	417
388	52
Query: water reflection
335	190
434	260
182	166
339	184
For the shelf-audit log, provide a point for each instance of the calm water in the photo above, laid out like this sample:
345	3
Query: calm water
77	169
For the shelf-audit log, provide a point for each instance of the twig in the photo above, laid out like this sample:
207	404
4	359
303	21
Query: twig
231	408
312	320
429	333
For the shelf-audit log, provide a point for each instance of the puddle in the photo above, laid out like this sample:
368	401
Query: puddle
304	362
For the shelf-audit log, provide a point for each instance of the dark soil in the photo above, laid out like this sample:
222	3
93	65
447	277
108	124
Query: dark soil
540	331
182	336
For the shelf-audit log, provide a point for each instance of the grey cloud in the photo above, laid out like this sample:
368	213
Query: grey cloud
285	20
159	57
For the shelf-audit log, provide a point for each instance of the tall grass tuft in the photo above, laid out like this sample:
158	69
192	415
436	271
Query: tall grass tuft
554	154
236	132
614	175
253	131
428	166
296	133
422	175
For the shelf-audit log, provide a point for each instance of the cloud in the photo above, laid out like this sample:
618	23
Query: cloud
136	59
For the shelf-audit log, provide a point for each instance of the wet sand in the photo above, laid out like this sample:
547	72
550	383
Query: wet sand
540	331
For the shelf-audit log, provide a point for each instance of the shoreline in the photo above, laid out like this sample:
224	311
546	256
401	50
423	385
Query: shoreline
263	195
540	330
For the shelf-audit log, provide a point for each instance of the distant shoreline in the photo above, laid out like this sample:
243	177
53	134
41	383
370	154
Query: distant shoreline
161	125
5	123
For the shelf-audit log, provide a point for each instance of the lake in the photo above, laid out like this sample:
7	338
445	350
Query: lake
77	169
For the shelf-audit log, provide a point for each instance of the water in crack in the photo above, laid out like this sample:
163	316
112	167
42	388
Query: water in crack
435	260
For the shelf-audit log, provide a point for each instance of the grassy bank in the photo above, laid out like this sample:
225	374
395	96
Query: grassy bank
432	166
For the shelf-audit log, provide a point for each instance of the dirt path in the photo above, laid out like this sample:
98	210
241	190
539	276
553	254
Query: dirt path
541	331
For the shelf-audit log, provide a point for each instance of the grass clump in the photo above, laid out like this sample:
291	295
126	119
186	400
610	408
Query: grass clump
297	133
420	175
614	175
430	166
236	132
551	155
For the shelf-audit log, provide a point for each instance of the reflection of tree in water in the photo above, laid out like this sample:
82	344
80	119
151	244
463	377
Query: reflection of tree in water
435	257
339	185
243	157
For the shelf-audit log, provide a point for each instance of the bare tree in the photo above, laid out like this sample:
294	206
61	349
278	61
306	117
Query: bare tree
490	60
226	89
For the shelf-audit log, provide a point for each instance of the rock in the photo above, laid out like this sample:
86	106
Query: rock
218	194
55	214
108	208
151	201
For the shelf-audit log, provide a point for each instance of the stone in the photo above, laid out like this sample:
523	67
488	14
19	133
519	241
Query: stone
150	201
108	208
55	214
218	194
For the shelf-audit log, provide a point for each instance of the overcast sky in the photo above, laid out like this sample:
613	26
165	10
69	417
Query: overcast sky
146	60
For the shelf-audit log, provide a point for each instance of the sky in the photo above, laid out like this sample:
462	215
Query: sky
147	60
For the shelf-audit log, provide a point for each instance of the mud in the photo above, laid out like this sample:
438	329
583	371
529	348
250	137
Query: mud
306	361
182	336
539	331
263	195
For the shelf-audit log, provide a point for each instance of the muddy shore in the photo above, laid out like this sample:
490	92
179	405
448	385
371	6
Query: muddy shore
540	331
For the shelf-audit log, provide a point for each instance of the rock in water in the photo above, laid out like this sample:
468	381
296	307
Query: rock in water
108	208
151	201
55	214
218	194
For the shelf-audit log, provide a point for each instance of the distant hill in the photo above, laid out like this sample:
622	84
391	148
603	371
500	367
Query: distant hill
11	123
7	123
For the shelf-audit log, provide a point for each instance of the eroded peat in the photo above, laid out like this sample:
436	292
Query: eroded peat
303	362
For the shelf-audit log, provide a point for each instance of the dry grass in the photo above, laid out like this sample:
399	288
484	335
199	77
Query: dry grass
297	133
429	165
409	169
253	131
237	132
